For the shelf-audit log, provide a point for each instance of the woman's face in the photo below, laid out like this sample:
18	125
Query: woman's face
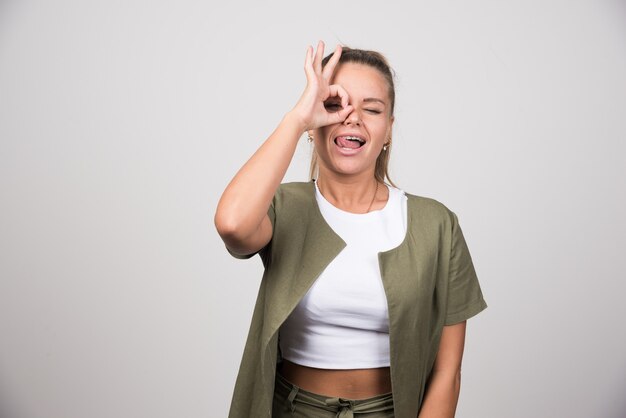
352	146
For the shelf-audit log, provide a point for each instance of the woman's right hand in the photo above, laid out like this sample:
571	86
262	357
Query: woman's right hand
310	108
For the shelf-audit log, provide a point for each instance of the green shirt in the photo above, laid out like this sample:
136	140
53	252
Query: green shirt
429	282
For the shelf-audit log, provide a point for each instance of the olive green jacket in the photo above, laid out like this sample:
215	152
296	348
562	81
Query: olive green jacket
429	281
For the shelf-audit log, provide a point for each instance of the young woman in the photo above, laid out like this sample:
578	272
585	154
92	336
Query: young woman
367	289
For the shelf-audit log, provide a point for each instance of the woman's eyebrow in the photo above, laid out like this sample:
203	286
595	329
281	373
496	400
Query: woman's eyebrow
374	99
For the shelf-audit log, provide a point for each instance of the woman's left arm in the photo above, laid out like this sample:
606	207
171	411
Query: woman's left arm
444	385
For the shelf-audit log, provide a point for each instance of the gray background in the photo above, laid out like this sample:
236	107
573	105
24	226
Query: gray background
121	123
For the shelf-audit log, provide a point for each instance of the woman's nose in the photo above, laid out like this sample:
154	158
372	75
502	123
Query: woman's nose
353	118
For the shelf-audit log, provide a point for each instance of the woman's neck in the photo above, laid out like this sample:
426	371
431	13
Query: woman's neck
356	195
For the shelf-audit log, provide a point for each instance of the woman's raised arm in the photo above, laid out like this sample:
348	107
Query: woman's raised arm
241	216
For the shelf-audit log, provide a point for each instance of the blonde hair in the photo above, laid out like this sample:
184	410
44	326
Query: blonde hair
378	61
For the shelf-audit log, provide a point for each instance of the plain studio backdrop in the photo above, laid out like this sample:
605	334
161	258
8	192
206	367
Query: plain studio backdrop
122	122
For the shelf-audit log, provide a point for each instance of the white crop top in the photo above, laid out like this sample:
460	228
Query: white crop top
342	322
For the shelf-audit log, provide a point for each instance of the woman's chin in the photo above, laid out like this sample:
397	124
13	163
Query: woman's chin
350	167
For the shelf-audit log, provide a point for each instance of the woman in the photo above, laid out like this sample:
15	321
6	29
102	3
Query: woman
367	289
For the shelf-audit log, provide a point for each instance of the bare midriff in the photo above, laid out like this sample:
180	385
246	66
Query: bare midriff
348	384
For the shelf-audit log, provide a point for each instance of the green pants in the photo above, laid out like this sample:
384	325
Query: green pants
292	402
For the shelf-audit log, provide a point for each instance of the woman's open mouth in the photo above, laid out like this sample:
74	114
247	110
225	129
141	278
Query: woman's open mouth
349	142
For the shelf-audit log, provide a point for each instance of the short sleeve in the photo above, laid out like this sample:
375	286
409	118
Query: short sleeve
271	213
465	298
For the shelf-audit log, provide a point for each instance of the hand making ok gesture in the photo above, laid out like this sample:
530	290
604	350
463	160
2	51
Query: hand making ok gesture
310	107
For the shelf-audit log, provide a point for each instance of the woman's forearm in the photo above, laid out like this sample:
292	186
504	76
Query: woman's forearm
247	197
442	395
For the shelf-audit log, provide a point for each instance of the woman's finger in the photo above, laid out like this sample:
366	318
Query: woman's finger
308	63
330	66
319	56
337	90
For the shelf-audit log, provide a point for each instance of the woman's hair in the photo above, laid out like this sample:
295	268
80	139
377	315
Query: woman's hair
378	61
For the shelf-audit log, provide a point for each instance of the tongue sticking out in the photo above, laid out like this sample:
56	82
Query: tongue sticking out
342	141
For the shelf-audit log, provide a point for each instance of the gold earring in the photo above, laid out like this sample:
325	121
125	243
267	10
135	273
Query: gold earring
310	137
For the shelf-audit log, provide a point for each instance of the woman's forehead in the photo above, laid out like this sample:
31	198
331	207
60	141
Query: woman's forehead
361	80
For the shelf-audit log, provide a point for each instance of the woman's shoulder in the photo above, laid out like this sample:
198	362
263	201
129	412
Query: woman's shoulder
296	187
295	190
294	195
426	201
428	206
